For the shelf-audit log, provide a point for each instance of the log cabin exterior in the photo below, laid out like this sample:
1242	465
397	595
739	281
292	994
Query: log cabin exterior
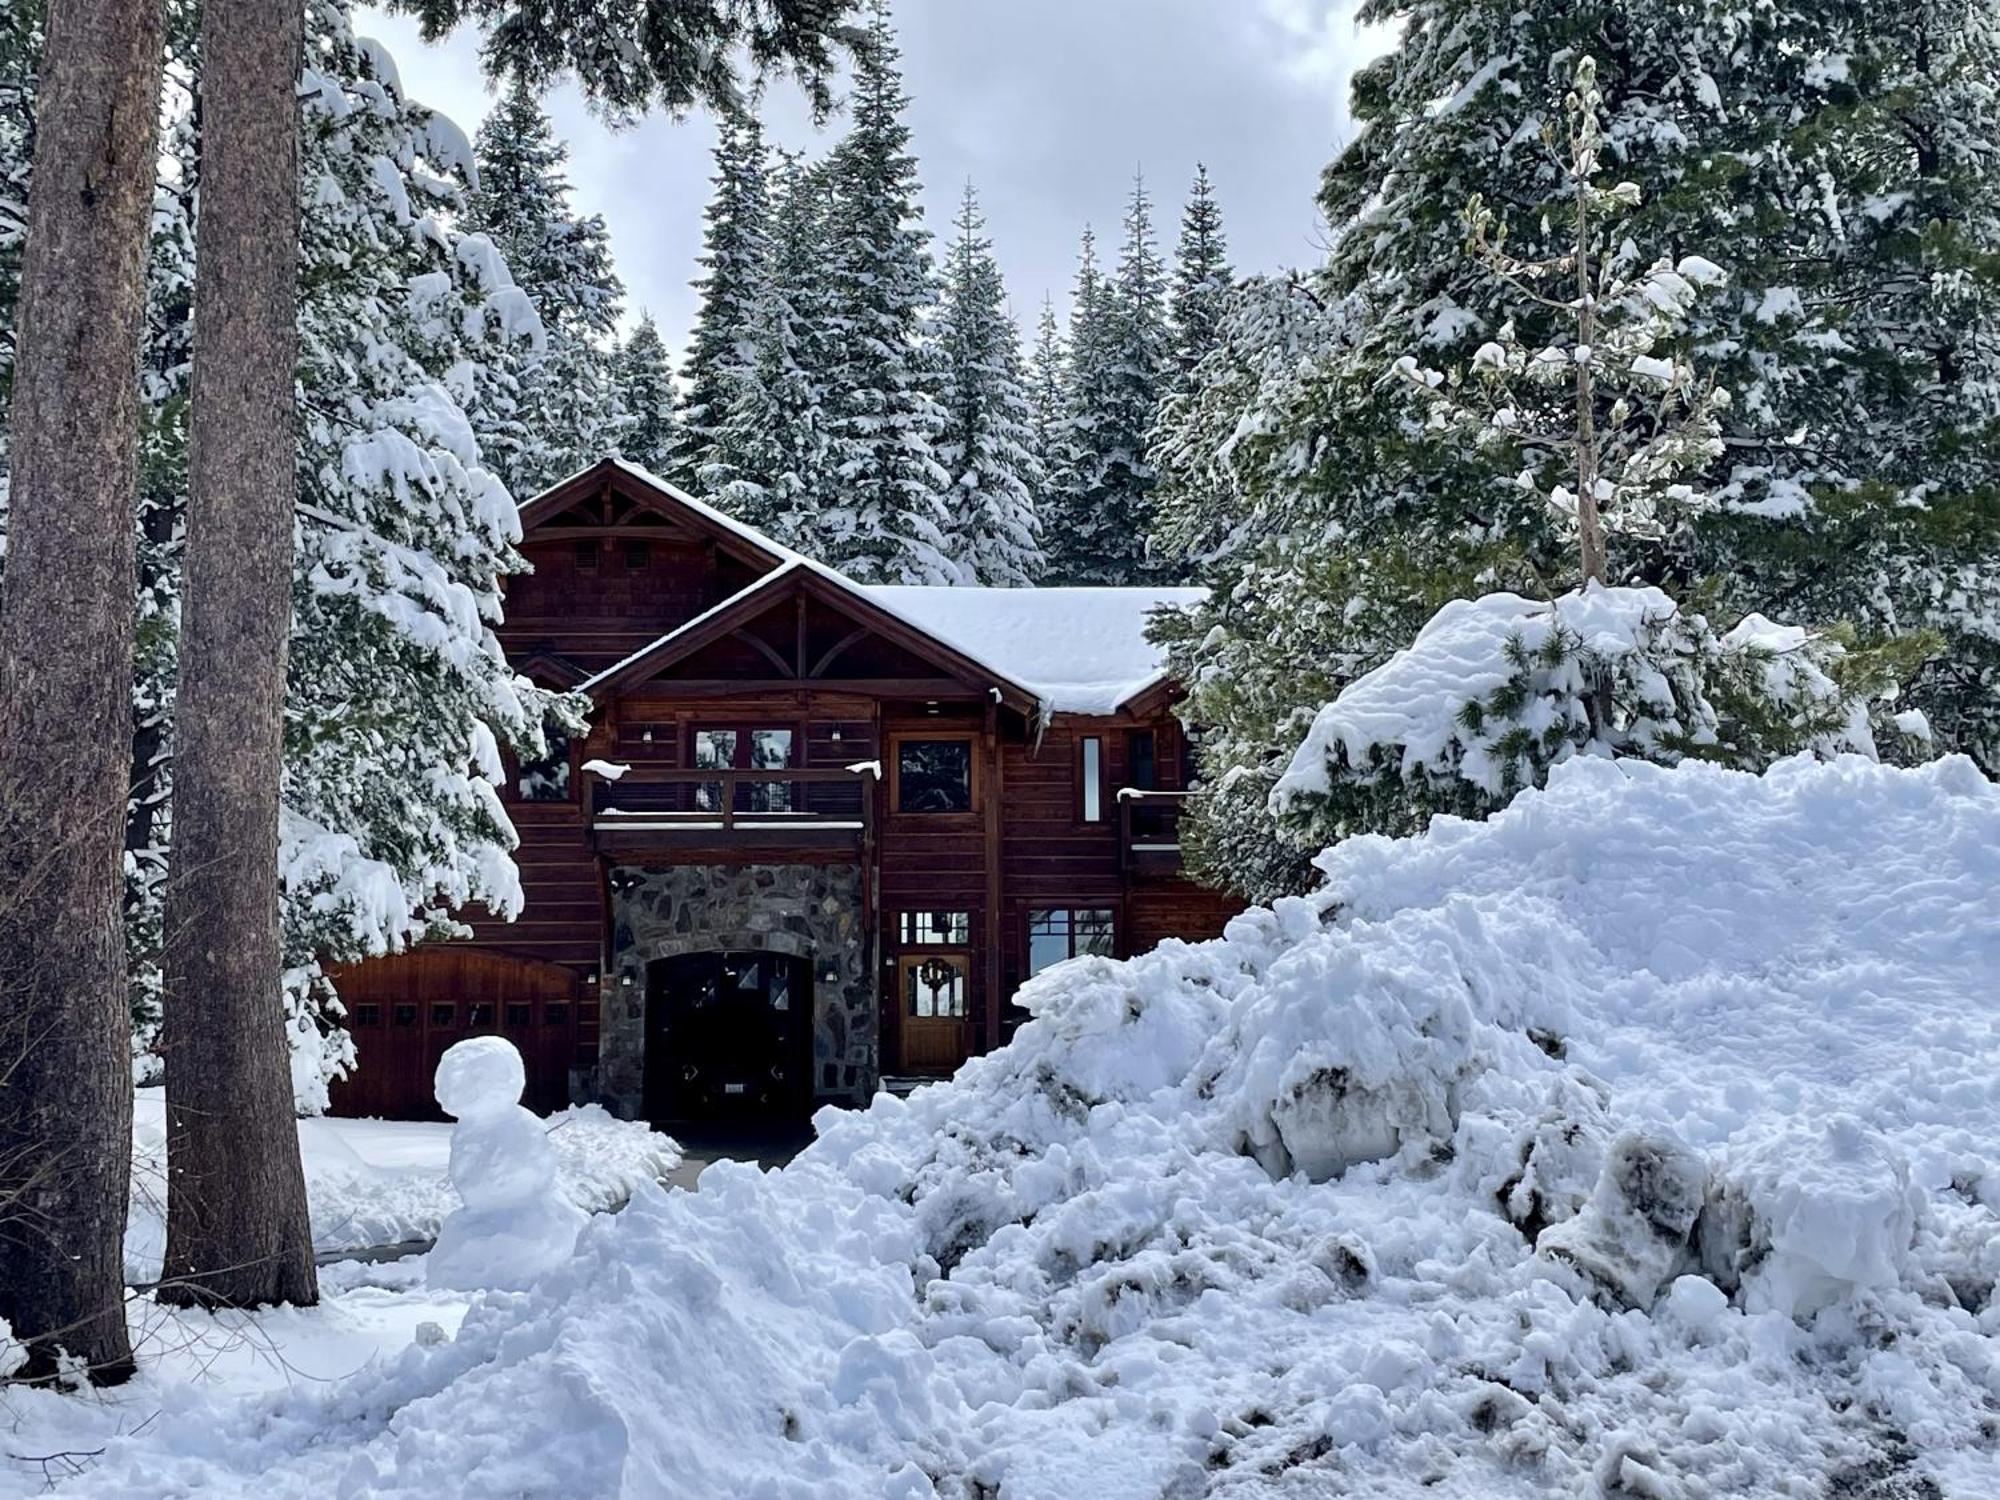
816	836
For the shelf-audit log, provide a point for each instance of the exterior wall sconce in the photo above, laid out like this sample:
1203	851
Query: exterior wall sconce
834	735
646	735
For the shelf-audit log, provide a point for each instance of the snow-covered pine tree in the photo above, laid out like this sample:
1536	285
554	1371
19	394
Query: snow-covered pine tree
565	412
645	383
1611	431
776	429
1119	367
988	442
400	696
1201	278
1340	529
721	359
1048	377
883	517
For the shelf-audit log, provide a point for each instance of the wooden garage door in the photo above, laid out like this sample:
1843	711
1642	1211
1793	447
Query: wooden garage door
403	1012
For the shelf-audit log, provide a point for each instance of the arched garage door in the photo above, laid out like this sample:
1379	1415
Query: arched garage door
403	1012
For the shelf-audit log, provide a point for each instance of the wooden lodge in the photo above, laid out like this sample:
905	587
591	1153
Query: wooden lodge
818	832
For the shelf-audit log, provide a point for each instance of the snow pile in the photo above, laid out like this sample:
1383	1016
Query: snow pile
515	1224
387	1182
1638	1142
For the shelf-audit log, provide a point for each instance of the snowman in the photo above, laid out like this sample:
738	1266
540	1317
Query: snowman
515	1225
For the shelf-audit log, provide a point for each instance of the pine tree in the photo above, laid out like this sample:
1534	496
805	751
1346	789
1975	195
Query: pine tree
736	255
988	442
776	435
564	413
65	688
884	516
1047	378
238	1232
645	386
1759	146
1201	279
399	695
1120	354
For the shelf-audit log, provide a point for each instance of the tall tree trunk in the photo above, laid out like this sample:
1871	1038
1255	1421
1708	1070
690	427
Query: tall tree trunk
65	689
237	1231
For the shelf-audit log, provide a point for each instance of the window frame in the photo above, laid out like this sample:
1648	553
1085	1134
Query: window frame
974	803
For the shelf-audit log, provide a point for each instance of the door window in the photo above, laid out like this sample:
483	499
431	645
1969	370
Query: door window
934	987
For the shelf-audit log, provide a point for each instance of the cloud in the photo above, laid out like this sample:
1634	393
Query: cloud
1049	106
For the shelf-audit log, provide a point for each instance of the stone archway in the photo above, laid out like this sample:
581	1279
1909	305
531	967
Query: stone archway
812	912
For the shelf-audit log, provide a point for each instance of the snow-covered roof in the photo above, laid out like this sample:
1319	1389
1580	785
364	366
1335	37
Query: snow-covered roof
1080	650
1077	650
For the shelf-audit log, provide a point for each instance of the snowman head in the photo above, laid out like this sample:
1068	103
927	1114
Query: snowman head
480	1077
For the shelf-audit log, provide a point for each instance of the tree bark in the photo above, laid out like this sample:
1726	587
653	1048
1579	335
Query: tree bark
65	689
237	1229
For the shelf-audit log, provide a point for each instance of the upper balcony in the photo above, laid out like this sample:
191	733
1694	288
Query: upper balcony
1149	830
650	810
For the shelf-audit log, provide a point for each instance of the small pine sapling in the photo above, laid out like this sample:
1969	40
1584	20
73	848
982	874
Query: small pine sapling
1607	426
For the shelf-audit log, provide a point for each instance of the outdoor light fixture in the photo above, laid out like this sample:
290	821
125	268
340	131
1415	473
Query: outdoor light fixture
646	735
834	735
930	706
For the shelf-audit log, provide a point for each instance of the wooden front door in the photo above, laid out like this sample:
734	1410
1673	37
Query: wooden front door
729	1035
403	1012
933	990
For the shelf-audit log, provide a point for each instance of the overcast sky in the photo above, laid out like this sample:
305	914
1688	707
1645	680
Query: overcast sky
1049	106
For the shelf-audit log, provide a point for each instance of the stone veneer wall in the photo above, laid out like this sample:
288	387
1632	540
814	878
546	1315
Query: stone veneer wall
811	911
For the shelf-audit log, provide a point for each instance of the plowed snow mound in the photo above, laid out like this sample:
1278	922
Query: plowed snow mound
1641	1141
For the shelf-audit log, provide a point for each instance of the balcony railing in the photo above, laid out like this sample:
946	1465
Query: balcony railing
788	806
1149	830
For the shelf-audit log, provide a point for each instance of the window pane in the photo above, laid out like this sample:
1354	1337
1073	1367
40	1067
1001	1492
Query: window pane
1145	760
770	750
442	1015
1095	931
935	989
1048	939
934	776
1093	779
714	749
946	929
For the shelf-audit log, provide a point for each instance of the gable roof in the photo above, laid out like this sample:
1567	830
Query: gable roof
1056	650
666	500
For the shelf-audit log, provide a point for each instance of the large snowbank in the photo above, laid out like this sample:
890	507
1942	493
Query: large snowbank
1261	1216
386	1182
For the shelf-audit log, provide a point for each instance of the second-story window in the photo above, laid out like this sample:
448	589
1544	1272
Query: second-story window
934	775
1091	756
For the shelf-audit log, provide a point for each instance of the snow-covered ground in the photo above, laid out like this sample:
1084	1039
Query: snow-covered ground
1643	1141
383	1182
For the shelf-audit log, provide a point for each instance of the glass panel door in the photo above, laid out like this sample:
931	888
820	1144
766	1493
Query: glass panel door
770	750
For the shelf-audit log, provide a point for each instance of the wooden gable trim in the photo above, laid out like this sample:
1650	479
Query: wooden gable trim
554	670
608	477
798	583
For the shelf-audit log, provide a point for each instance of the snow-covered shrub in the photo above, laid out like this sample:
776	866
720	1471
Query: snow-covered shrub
1496	691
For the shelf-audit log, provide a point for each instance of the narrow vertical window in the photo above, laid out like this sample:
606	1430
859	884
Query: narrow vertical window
1093	779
